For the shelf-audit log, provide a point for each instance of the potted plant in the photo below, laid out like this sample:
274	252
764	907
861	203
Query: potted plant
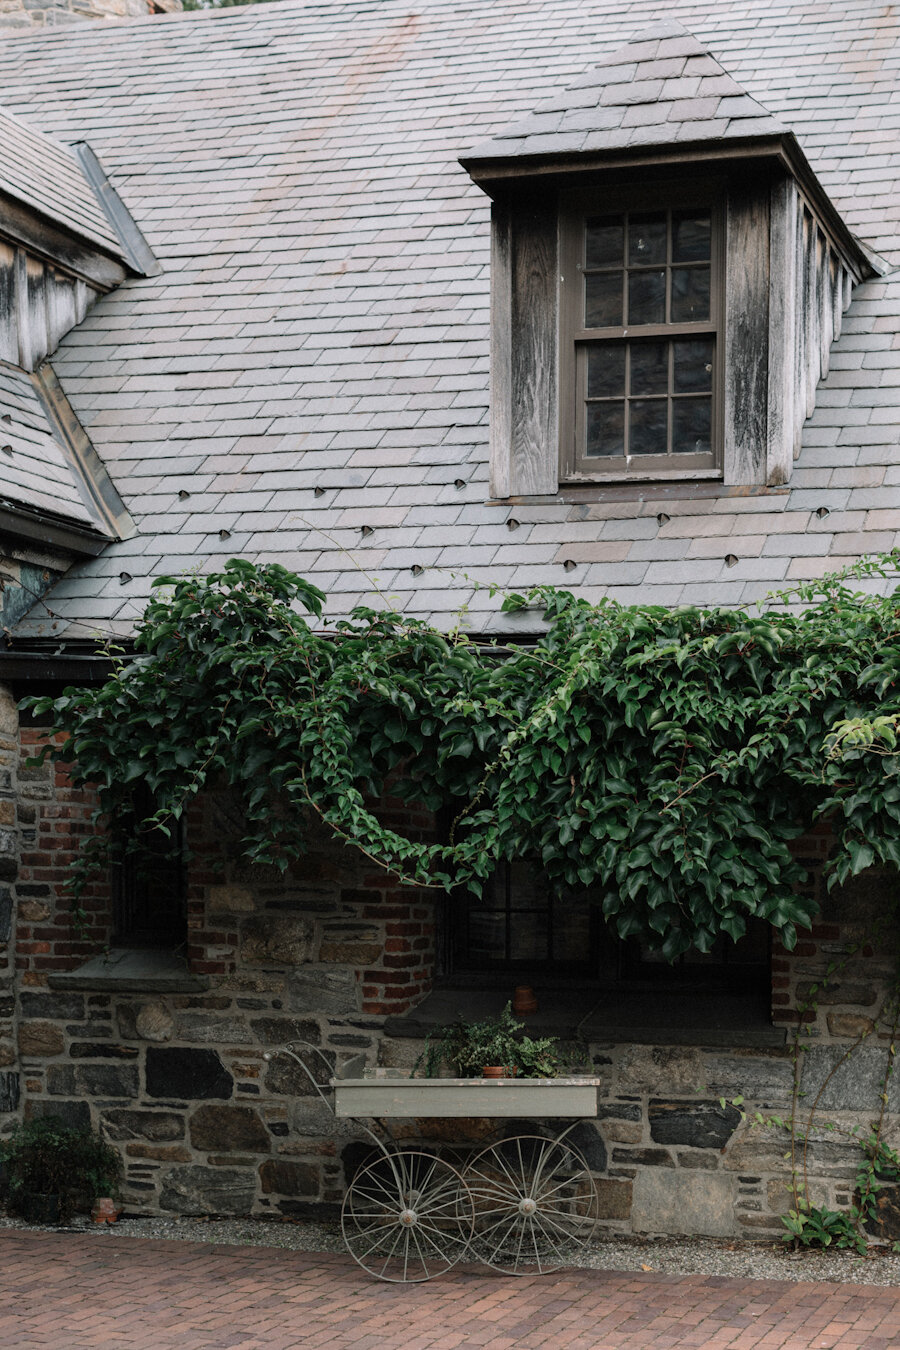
51	1170
496	1047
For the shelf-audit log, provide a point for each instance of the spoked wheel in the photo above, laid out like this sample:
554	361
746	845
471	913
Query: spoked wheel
535	1204
407	1217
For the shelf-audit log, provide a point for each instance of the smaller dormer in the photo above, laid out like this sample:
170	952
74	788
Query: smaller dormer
66	239
668	275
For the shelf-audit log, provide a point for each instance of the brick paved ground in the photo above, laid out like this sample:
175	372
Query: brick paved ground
71	1291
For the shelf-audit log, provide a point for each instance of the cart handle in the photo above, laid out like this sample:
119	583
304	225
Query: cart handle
291	1050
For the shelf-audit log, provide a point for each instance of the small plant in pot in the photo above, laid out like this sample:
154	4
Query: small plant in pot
494	1048
51	1170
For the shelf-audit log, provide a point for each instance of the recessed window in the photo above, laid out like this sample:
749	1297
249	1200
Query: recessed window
519	923
640	342
148	882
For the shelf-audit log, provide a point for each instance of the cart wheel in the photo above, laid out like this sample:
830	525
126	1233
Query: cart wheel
407	1217
535	1204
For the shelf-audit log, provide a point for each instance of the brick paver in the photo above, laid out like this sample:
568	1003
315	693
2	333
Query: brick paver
71	1291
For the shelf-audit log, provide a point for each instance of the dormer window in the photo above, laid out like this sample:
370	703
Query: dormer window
667	277
639	353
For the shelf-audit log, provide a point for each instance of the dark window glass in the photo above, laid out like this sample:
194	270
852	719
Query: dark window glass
690	294
603	300
647	238
648	419
647	388
528	936
605	429
519	920
487	936
646	297
691	426
649	368
690	236
606	370
693	366
148	882
604	242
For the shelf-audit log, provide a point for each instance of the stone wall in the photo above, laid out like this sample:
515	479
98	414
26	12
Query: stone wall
180	1080
208	1124
10	1082
24	14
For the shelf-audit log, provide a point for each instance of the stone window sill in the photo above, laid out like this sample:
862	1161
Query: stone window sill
126	970
609	1017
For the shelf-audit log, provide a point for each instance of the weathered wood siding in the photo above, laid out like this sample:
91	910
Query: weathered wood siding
811	289
39	304
787	290
746	357
524	367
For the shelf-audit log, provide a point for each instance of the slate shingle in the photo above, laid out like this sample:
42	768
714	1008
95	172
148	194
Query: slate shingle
641	85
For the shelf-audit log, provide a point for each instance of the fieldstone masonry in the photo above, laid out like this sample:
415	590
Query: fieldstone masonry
10	1081
24	14
207	1122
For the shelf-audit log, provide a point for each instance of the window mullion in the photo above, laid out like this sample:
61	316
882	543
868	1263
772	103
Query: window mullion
626	441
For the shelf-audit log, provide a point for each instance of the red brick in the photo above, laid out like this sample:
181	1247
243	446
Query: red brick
827	932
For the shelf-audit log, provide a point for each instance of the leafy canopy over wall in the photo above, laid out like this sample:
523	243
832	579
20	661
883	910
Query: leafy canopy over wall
665	758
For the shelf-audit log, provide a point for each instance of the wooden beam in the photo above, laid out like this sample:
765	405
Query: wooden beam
501	350
49	241
746	334
534	373
782	331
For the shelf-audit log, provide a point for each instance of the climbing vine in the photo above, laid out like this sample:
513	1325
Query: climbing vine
808	1222
664	758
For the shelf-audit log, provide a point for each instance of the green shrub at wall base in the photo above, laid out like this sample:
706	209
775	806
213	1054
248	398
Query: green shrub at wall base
44	1157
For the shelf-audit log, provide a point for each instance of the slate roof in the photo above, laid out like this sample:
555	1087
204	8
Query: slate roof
664	88
313	360
45	175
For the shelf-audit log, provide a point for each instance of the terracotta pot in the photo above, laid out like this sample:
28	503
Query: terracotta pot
105	1210
499	1071
524	1000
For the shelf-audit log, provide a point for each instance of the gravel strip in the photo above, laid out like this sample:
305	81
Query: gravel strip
664	1255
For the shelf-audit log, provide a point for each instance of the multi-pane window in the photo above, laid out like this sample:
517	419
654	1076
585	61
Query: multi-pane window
518	922
521	923
641	313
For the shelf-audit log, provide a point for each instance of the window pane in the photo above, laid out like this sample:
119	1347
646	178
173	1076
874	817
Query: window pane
527	888
528	935
606	370
647	238
693	364
604	241
690	236
647	427
605	429
487	935
690	294
646	297
603	300
692	426
650	368
571	930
